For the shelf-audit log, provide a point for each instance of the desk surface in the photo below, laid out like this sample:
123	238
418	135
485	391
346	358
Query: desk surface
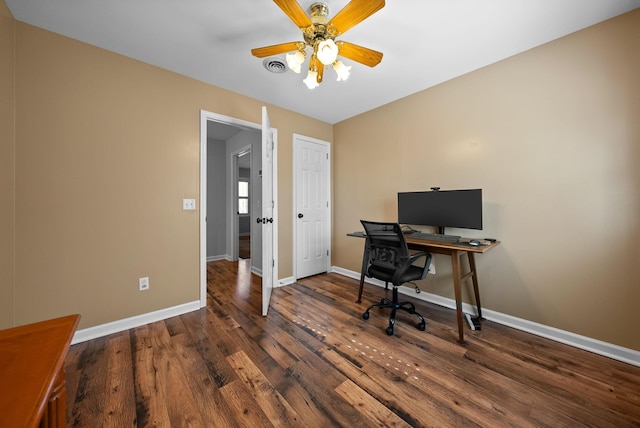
31	357
461	245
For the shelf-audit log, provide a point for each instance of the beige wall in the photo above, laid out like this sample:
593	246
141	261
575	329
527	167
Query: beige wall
106	149
552	136
7	150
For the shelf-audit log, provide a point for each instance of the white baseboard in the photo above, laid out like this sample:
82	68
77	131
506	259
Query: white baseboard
609	350
216	258
136	321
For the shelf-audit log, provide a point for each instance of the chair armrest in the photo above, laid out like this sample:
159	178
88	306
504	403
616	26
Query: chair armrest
408	261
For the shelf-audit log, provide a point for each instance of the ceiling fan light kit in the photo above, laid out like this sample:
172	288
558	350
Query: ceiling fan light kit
319	34
295	60
327	51
341	70
312	79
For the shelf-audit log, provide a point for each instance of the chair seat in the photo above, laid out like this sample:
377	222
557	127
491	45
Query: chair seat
413	273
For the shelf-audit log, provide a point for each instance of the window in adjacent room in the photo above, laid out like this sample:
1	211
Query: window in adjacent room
243	196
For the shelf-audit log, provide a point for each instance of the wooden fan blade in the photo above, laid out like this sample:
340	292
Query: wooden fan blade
295	12
275	49
359	54
355	12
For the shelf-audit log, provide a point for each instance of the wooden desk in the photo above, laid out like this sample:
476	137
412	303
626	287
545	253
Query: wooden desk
454	251
32	373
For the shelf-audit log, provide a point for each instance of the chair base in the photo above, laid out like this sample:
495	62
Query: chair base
395	305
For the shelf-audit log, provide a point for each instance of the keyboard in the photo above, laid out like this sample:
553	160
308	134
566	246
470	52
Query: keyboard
434	237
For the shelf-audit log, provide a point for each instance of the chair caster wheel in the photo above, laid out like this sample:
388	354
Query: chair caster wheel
365	315
389	331
421	326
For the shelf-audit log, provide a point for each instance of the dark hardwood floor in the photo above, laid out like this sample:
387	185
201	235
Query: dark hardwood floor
244	247
314	362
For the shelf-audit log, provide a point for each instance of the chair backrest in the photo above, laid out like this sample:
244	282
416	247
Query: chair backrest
385	245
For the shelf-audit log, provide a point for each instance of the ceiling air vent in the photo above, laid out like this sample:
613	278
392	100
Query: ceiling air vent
275	65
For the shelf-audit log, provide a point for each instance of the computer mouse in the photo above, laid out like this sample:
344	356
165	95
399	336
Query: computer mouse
474	242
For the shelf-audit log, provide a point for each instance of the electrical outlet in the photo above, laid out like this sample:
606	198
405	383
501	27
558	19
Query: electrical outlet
143	283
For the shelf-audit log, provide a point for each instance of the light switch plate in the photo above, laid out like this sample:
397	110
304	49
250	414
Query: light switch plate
188	204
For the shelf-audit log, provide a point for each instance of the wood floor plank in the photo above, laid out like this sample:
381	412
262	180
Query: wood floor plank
409	403
73	373
247	413
275	362
274	406
312	376
450	374
204	383
151	402
371	408
209	345
120	406
541	382
314	362
89	398
182	409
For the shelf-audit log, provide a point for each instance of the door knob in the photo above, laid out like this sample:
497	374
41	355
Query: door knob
300	215
259	220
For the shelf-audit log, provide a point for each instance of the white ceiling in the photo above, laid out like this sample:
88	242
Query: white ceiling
425	42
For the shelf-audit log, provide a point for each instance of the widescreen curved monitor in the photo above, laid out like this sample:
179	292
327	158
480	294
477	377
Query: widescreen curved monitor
441	208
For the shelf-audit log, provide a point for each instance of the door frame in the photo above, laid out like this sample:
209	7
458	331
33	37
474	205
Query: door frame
327	145
205	117
232	216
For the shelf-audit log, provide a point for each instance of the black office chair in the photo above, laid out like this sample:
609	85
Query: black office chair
387	258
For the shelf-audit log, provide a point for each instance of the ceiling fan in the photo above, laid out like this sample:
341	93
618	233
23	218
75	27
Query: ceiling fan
319	33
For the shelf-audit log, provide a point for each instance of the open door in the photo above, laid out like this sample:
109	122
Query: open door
268	208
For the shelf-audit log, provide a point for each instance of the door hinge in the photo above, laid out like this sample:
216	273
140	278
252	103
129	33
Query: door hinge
273	263
327	253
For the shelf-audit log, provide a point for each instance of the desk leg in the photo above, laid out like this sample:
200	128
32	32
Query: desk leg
361	286
365	257
455	265
474	279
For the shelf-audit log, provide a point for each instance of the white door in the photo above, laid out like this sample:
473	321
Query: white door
312	182
267	220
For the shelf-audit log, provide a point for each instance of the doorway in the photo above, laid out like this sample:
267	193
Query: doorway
226	144
229	183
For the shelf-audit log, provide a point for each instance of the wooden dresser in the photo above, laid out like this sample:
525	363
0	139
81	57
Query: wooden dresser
32	380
